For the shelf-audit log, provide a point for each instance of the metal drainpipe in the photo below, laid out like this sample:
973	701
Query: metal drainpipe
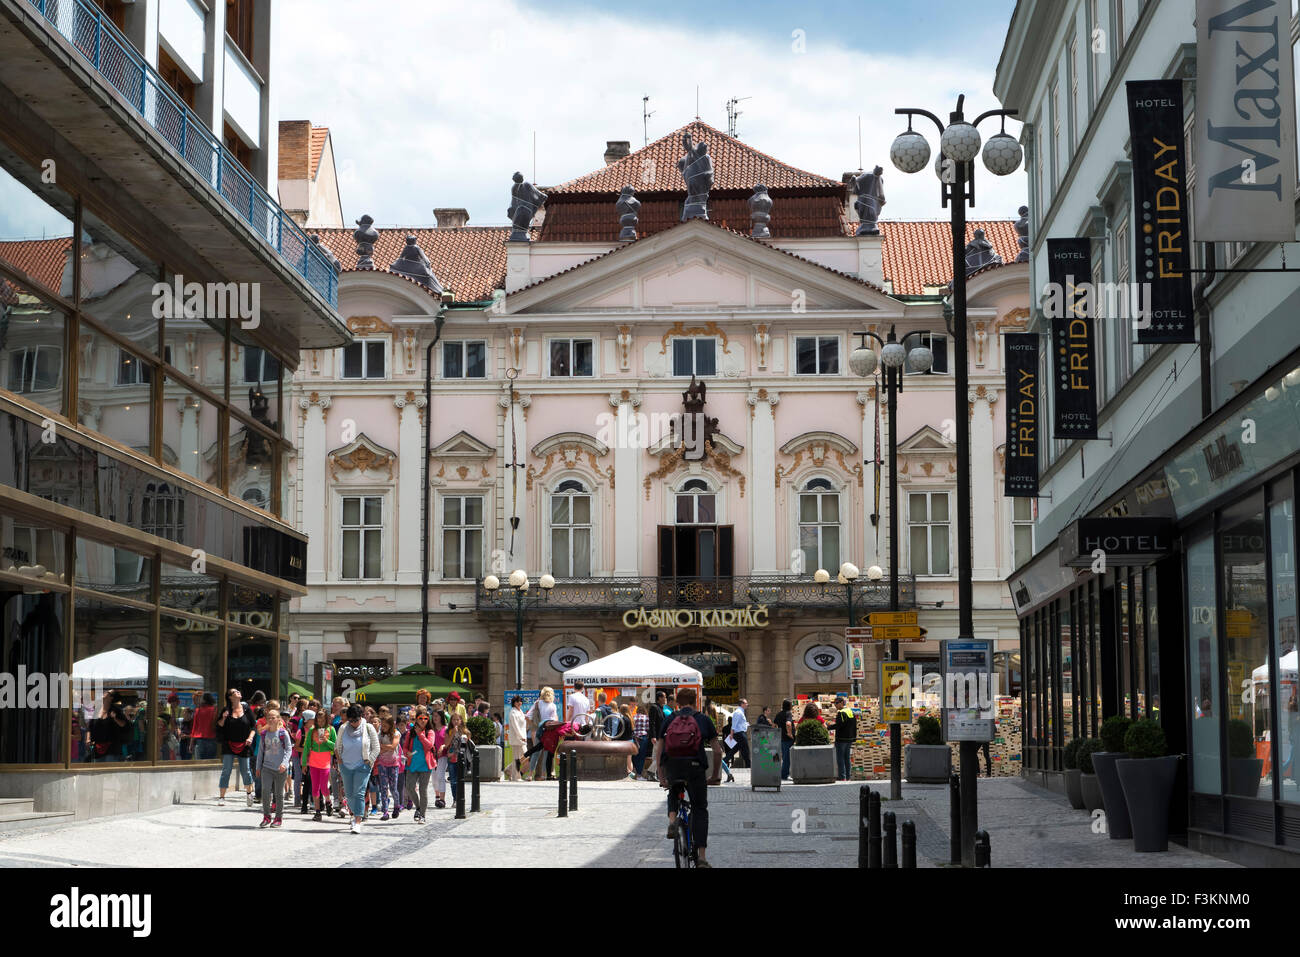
424	479
1202	301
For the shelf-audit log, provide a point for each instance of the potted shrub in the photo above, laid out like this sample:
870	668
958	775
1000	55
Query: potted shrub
483	732
1147	777
1089	789
1113	730
812	759
1073	786
1243	767
927	759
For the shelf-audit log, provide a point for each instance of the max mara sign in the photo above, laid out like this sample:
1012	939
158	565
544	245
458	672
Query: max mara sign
751	616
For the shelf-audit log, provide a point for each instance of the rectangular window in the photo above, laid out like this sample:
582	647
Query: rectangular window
239	25
364	359
571	357
571	535
176	78
464	360
928	528
363	522
1022	531
1203	647
1072	75
243	154
35	369
260	366
1055	103
938	346
817	355
462	536
819	529
1121	28
1040	149
1281	523
696	357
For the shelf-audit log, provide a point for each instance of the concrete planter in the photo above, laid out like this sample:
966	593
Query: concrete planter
927	763
1243	776
1074	788
489	762
1091	792
812	764
1118	825
1148	785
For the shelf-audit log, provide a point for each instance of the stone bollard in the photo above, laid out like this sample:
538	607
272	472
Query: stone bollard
564	784
474	782
864	809
873	832
573	780
954	819
909	845
890	838
983	850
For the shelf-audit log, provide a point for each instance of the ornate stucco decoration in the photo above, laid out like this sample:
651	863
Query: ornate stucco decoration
762	339
523	400
462	452
361	455
1014	320
818	448
565	450
771	397
674	459
625	340
409	349
370	326
927	448
631	396
315	398
867	395
680	328
517	347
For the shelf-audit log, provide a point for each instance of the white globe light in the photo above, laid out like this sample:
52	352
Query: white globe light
893	355
910	152
519	578
546	581
841	579
920	359
492	583
875	572
1002	154
849	571
821	576
1292	378
1272	393
960	142
862	361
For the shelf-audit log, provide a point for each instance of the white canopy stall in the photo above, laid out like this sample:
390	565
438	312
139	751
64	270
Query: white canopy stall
124	668
629	672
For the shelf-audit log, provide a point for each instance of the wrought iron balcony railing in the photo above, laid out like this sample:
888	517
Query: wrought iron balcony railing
114	57
621	594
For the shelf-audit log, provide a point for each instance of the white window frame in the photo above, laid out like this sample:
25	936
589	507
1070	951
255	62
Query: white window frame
137	366
1054	110
268	355
819	561
36	352
570	341
361	528
365	360
443	528
1017	523
928	340
695	357
463	345
587	492
817	341
710	488
1072	81
930	525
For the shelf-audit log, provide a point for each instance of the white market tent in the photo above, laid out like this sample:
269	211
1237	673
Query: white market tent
1288	663
634	668
124	668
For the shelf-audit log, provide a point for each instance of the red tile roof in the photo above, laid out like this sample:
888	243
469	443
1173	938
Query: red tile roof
919	254
468	260
793	217
42	259
653	168
319	134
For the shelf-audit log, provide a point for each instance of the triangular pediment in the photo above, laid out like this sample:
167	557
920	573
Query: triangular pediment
670	442
363	454
462	445
926	439
697	267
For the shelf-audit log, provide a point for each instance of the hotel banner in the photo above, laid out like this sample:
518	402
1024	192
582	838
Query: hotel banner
1161	238
1069	307
1245	133
1020	360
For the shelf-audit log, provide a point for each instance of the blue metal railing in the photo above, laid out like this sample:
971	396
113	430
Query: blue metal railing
84	25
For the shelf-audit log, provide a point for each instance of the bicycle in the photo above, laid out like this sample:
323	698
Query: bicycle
685	853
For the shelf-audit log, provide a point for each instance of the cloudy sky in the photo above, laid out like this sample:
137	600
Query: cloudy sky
435	103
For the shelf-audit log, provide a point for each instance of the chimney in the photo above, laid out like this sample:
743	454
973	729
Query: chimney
447	216
615	150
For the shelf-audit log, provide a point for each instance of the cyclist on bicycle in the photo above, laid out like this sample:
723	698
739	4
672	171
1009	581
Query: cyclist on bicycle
680	756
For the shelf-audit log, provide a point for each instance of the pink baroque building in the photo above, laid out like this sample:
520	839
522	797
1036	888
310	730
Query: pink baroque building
581	467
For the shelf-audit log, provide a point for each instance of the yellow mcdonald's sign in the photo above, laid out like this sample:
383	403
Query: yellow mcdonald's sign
456	676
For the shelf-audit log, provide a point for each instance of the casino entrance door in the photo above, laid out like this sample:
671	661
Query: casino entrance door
719	666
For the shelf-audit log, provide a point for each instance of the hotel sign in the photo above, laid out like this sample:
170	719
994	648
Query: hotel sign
1020	360
1125	541
1162	240
751	616
1074	385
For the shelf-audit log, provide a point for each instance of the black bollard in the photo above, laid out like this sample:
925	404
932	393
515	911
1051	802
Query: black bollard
460	792
873	832
564	784
474	782
890	838
954	819
909	845
983	850
573	780
864	802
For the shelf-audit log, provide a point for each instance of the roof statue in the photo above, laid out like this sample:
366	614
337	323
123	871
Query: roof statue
1022	232
980	253
697	427
328	254
525	200
414	264
871	198
629	209
760	213
366	236
697	171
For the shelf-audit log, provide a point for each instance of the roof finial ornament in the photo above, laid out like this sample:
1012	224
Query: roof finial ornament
980	253
328	254
697	171
525	200
1022	232
414	264
760	213
629	209
366	236
871	198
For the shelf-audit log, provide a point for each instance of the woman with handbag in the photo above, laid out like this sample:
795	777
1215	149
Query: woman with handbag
318	753
453	749
421	755
235	729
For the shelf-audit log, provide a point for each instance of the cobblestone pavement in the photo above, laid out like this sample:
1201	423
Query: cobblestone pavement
617	824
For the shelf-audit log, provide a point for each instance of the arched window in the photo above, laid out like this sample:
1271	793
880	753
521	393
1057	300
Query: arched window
571	530
696	505
819	525
256	497
163	511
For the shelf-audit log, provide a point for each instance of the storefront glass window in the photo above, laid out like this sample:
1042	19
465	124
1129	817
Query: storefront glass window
1245	616
1123	670
1281	522
1094	658
111	646
1153	644
1136	596
1203	646
1064	629
114	388
190	666
249	665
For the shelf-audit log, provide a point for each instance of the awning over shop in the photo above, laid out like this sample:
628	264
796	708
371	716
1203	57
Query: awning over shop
401	687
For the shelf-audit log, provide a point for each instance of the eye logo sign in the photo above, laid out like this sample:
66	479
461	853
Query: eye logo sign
562	659
823	658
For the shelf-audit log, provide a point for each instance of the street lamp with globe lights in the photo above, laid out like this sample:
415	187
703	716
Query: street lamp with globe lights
959	143
519	584
847	576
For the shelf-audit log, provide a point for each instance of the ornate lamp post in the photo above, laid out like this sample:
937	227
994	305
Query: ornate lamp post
959	143
863	362
848	576
519	584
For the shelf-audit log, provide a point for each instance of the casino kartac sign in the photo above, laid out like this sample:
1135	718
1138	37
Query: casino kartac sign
1125	541
751	616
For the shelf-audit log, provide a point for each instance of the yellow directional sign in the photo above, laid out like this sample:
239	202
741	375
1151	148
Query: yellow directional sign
895	691
897	633
892	617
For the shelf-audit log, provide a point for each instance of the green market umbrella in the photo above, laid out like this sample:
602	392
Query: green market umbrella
290	686
401	687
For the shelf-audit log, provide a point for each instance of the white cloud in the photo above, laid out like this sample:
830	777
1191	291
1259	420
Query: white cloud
436	104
